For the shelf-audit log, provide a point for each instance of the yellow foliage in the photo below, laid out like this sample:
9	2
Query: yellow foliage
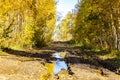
49	74
33	20
62	54
50	67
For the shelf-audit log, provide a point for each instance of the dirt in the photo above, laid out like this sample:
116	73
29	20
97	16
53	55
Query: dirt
30	64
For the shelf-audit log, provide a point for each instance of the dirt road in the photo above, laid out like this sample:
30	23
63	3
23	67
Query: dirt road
29	64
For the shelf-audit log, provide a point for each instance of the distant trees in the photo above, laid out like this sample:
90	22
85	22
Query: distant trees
97	24
26	23
64	27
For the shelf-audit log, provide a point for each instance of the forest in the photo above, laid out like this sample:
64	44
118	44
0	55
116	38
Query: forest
30	23
89	36
26	23
97	24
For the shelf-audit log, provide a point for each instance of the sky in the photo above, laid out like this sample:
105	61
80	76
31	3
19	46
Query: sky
64	6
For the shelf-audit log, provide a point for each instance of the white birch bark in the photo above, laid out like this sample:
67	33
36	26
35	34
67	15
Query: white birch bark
114	33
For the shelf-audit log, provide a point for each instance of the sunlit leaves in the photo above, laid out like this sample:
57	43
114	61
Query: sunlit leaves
94	23
32	19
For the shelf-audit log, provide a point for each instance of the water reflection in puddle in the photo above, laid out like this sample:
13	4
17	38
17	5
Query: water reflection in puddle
59	62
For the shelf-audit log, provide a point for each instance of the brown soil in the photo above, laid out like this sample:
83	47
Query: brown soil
29	64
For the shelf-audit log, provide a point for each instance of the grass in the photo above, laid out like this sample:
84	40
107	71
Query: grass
2	53
113	54
108	59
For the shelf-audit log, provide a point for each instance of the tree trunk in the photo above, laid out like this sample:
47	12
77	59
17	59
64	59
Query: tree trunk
118	30
114	33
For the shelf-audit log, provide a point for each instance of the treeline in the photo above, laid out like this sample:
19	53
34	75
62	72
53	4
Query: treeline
63	28
26	23
97	24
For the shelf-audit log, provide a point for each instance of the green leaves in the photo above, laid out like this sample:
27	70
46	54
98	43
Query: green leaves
94	23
